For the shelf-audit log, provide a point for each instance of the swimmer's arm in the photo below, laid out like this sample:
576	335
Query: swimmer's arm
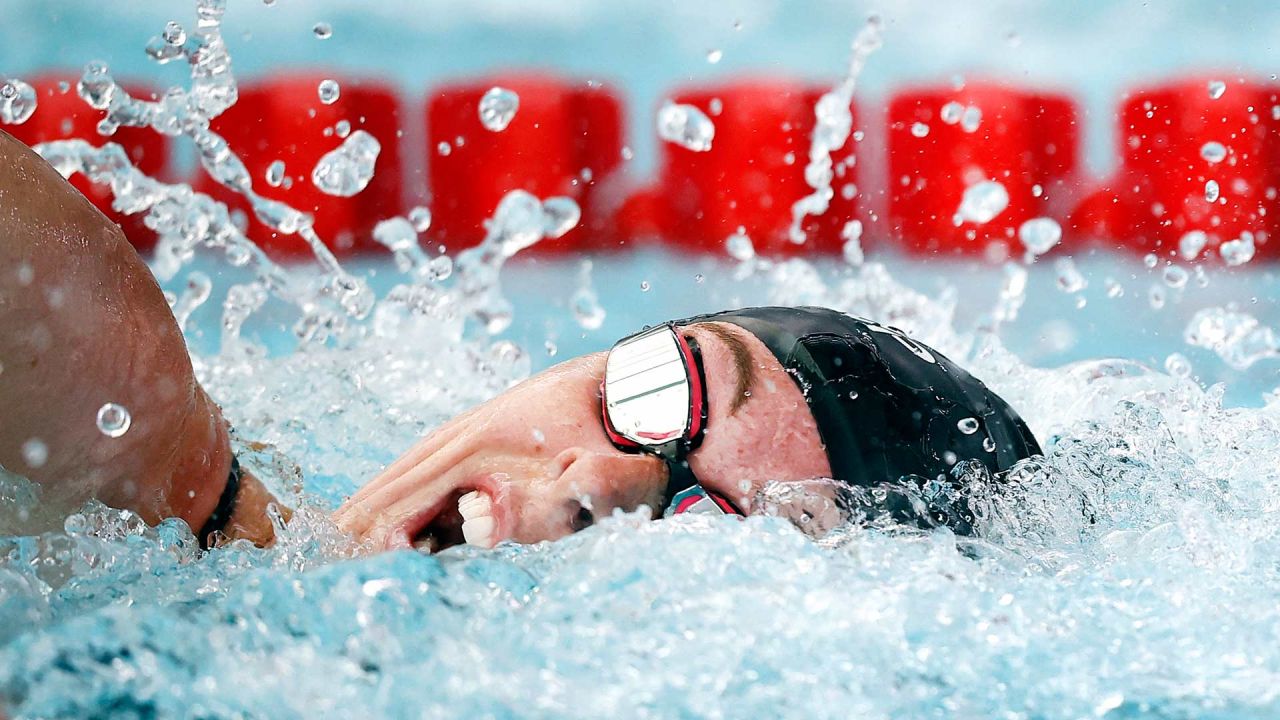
83	323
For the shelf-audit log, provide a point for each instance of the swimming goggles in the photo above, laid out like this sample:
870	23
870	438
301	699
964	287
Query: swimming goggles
654	400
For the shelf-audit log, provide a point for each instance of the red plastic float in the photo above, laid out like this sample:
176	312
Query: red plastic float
942	140
753	172
282	118
565	139
61	114
1176	138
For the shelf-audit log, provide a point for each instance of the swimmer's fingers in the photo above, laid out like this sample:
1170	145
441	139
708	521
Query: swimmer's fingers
388	518
433	443
358	513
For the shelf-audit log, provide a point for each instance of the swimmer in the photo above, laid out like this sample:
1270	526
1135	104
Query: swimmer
691	415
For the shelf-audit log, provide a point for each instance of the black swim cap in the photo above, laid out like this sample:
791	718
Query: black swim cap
886	405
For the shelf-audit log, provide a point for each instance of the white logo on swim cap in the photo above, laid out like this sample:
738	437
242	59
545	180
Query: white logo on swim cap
916	348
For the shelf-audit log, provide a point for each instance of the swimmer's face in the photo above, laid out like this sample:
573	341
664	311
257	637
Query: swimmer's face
535	463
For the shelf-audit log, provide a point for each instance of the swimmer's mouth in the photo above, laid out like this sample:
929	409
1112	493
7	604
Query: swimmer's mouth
464	518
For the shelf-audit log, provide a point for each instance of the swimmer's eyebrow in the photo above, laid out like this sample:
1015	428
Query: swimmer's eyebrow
743	365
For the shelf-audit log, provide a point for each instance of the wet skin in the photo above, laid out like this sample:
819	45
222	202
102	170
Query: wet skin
83	322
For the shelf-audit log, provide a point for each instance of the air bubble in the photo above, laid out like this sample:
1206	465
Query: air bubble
968	426
1216	89
714	56
920	130
322	31
971	119
114	420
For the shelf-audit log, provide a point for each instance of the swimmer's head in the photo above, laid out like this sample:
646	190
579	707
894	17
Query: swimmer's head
542	465
791	394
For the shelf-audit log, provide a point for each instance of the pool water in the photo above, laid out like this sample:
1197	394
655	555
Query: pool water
1129	575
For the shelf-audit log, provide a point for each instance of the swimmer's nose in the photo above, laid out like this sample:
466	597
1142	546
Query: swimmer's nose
612	479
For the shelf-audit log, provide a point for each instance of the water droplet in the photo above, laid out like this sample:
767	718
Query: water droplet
342	128
968	425
586	309
920	130
740	246
551	348
17	101
1190	245
420	217
35	453
1039	235
322	30
1211	191
329	91
1177	365
347	169
444	148
1175	277
983	201
952	112
1070	280
1114	289
275	173
497	108
174	34
971	119
114	420
852	235
539	436
1216	88
988	444
698	278
686	126
1213	152
559	216
1150	260
628	153
1155	297
713	56
644	286
1238	251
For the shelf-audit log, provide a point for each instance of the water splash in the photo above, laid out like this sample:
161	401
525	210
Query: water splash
1237	337
833	122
